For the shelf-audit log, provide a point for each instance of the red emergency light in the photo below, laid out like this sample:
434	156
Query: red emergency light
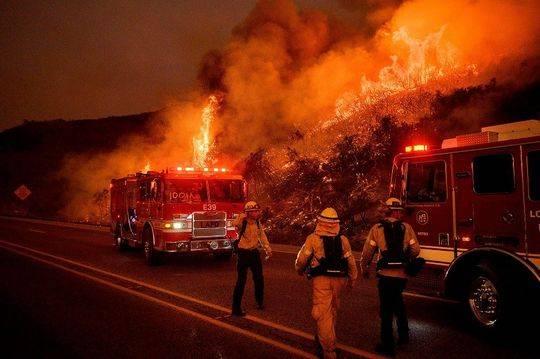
416	148
205	169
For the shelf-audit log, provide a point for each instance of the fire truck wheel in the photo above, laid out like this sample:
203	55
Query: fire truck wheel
150	255
486	298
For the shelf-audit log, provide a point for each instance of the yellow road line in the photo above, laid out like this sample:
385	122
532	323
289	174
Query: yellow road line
283	328
176	308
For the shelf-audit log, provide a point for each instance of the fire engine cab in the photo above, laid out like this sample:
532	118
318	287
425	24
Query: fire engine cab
181	210
475	206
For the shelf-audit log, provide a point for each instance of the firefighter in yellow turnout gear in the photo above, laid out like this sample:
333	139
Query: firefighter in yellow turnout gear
327	258
251	236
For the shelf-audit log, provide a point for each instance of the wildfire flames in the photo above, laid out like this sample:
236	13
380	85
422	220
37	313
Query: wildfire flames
202	143
430	64
419	69
294	80
146	168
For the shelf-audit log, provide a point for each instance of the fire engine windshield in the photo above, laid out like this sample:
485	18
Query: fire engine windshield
185	191
226	190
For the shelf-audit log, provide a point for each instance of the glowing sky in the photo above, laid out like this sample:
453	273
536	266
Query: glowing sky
88	59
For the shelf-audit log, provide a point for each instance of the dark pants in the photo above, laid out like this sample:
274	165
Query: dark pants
391	303
248	259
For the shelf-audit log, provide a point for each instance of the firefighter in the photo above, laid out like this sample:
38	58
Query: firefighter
327	259
397	245
250	236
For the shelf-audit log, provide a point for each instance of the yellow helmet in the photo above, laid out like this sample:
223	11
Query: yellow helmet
328	215
252	206
393	203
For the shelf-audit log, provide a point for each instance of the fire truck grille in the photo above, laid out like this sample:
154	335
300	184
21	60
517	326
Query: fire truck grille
209	224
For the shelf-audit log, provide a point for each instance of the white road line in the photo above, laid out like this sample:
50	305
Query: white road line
176	308
428	297
90	227
283	328
36	230
106	229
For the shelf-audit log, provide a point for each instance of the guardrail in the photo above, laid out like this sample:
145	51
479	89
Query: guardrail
93	227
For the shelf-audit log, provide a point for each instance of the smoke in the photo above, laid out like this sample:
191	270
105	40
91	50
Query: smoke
288	70
165	143
298	78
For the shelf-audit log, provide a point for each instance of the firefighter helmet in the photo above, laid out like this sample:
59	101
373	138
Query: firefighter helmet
252	206
393	203
328	215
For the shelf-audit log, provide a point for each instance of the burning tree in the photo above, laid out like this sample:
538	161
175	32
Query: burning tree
352	180
202	143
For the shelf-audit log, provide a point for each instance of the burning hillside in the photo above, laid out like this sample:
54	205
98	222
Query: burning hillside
311	108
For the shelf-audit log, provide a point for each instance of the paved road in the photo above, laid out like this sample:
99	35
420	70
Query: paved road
66	292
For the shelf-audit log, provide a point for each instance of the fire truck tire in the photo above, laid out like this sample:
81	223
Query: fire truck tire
151	256
487	298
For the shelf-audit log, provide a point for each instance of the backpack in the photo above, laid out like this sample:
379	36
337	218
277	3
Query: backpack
332	264
394	256
241	233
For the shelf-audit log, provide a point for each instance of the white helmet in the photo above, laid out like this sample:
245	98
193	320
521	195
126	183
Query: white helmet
252	206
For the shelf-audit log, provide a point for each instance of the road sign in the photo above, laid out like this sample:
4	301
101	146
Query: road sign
22	192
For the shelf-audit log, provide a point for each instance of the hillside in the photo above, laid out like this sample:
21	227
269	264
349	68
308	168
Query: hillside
33	153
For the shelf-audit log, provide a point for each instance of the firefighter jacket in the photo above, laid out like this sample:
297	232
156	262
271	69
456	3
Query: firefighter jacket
252	236
376	241
313	248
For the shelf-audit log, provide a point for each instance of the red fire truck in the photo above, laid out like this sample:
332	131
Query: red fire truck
475	206
177	211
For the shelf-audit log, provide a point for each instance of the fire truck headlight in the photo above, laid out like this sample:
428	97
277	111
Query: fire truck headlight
179	225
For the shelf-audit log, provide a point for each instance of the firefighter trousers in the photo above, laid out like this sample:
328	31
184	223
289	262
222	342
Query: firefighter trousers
326	291
391	304
248	259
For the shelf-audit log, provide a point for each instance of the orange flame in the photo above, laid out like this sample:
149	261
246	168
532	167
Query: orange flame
430	63
418	70
202	143
146	168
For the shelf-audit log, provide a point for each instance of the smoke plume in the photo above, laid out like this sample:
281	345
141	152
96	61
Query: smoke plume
299	78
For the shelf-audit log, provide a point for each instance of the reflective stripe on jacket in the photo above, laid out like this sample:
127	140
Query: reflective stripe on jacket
375	240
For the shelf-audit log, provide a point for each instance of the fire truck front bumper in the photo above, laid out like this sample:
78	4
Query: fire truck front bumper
210	245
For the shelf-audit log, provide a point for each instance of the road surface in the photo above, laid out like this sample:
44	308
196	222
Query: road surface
67	292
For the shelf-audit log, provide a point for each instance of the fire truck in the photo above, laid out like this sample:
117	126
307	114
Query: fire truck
475	206
180	210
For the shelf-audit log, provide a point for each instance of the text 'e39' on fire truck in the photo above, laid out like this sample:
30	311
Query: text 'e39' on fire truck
475	206
180	210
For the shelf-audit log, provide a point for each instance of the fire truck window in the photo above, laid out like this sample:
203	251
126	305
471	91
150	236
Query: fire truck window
533	168
185	191
155	189
145	191
494	174
226	190
426	182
